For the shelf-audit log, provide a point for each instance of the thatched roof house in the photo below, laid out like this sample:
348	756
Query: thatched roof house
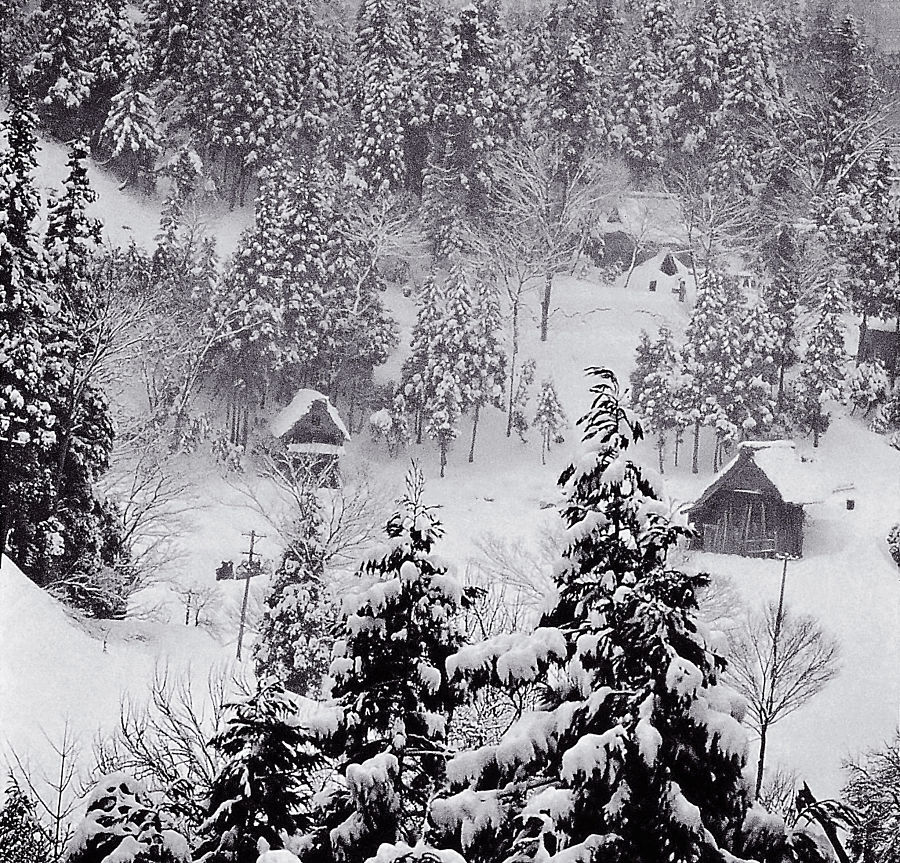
310	424
755	505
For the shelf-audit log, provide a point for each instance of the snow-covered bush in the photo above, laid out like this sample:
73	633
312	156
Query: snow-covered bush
866	386
122	824
22	839
893	541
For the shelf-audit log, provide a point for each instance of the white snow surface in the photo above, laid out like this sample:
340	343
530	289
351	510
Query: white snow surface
53	669
298	407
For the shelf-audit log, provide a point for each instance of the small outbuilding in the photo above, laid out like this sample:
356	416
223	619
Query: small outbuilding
879	341
755	507
311	428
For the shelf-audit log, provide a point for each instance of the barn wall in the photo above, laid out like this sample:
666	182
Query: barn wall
722	521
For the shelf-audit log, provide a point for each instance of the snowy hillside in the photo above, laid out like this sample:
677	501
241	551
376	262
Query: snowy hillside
54	671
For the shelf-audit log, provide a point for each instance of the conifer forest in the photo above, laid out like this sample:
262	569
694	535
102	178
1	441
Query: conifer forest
437	431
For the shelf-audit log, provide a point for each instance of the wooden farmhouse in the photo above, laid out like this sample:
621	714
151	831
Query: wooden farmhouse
755	506
311	428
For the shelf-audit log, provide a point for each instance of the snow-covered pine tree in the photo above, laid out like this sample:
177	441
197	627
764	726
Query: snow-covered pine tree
710	357
26	417
474	108
782	298
568	92
549	417
699	74
867	386
122	824
307	298
386	723
60	78
486	385
258	799
416	381
132	132
753	404
521	394
22	838
113	41
645	362
384	94
823	366
442	414
296	631
640	122
654	400
637	752
77	537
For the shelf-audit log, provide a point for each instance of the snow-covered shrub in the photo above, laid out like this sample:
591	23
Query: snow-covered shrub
887	417
122	824
893	541
866	386
22	839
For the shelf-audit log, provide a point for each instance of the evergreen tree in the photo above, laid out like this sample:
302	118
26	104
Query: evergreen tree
132	132
485	386
295	636
122	824
257	799
22	839
753	410
76	539
822	370
782	299
654	400
474	108
640	120
392	700
710	357
417	383
636	752
61	76
385	93
306	293
26	418
549	417
568	91
442	414
700	74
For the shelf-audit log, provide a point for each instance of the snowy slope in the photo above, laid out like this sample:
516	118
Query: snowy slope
52	669
54	672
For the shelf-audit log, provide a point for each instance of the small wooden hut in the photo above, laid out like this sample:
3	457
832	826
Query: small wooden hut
311	428
755	506
879	341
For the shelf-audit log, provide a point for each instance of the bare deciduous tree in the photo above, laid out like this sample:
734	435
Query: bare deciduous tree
547	206
56	794
164	739
778	661
352	513
873	792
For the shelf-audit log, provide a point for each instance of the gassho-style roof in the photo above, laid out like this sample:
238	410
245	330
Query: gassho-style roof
301	404
796	482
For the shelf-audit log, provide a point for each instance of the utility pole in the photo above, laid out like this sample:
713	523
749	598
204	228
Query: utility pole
252	566
773	678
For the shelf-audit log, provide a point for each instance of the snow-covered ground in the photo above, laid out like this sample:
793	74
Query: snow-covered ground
53	669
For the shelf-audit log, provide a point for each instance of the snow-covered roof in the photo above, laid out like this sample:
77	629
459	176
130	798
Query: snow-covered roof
315	448
797	482
299	407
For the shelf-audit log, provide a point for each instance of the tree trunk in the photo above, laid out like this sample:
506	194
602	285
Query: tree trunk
443	458
631	266
474	432
780	400
660	448
513	355
761	763
679	437
695	465
545	305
